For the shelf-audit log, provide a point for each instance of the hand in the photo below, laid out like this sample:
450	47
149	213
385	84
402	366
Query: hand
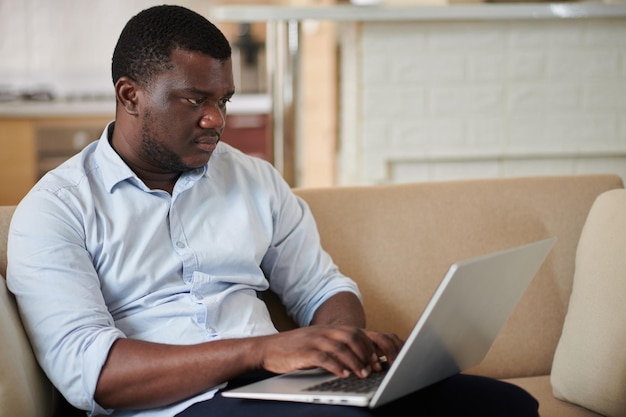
341	350
387	345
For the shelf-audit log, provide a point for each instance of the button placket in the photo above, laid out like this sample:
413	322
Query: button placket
181	246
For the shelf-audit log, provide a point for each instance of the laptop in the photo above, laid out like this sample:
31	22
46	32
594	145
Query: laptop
455	331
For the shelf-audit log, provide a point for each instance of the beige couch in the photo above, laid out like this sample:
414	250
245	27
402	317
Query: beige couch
397	241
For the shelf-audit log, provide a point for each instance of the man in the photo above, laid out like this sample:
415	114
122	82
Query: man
137	263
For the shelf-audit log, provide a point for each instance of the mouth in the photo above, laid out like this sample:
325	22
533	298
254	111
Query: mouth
207	143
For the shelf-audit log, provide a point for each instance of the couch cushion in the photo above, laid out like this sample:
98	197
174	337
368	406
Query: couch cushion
539	387
589	367
24	390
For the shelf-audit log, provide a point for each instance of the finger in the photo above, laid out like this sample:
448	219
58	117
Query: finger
388	345
356	352
330	363
351	347
310	347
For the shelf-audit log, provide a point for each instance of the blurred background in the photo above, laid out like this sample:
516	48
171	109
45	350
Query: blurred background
405	90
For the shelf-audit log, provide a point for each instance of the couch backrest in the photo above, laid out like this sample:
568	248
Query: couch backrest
397	241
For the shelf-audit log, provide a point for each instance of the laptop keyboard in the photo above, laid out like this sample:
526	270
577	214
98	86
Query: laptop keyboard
350	384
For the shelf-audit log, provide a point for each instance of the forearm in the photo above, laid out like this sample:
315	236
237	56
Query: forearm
343	308
140	374
144	375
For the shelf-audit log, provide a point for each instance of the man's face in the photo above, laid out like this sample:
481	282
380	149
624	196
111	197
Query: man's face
183	112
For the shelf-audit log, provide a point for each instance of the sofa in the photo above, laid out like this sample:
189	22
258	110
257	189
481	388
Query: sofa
564	341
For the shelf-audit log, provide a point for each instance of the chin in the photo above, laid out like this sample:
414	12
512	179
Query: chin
197	163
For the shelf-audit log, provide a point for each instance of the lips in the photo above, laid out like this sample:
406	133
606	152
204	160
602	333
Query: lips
207	147
208	144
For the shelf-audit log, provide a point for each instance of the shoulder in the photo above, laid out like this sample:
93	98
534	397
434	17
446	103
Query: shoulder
66	189
229	160
226	150
251	175
71	172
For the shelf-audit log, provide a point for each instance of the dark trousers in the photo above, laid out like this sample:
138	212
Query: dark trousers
460	395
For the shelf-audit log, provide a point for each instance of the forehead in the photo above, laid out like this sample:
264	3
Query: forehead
192	69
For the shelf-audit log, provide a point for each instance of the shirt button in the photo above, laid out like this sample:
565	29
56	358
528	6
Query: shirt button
180	244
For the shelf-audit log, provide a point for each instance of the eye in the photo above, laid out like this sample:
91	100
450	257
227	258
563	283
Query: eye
196	101
224	101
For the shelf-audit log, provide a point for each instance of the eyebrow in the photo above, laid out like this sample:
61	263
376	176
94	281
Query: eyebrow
204	92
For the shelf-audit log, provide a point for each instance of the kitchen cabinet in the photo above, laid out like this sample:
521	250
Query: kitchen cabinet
31	146
17	160
37	138
250	133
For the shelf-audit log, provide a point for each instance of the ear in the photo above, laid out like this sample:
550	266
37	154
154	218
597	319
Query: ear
126	90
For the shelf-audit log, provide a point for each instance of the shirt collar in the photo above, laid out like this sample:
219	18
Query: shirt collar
114	169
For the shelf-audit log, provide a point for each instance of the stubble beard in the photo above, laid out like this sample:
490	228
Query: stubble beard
157	153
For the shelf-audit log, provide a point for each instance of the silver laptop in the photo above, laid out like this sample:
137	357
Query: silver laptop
457	328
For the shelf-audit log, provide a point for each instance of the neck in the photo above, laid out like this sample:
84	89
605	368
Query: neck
155	180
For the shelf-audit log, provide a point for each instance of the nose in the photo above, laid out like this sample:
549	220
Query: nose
213	118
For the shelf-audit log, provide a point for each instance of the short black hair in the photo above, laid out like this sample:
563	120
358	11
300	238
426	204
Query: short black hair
144	47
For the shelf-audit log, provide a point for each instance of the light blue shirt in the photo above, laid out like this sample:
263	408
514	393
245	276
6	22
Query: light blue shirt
94	255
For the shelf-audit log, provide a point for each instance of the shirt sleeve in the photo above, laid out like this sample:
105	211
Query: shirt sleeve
299	270
58	294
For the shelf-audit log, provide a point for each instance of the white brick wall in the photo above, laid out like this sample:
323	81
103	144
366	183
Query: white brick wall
460	99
